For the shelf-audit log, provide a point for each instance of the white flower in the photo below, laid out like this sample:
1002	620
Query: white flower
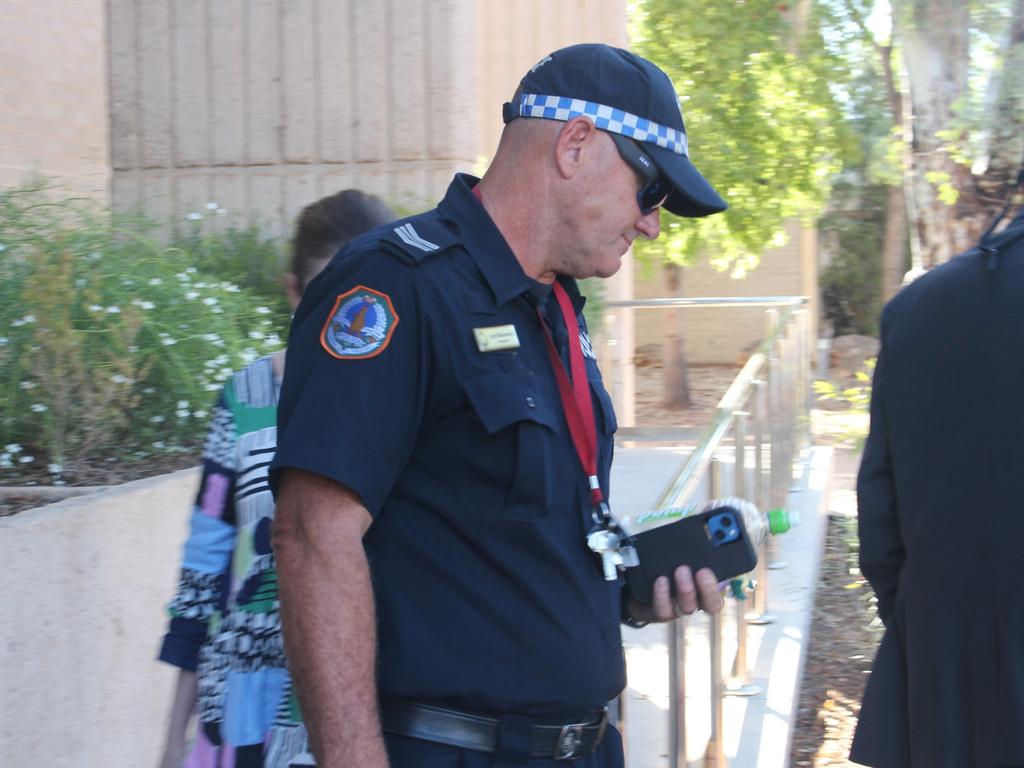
195	216
182	414
156	281
200	414
5	461
158	419
38	408
274	339
13	448
221	211
113	310
212	387
28	319
183	404
203	284
190	270
216	310
27	385
212	206
27	459
2	247
159	444
210	301
143	304
248	356
55	469
262	310
4	341
230	287
95	308
192	295
117	378
182	276
257	335
167	341
149	390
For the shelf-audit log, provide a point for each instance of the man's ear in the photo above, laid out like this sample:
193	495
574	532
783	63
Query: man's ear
570	149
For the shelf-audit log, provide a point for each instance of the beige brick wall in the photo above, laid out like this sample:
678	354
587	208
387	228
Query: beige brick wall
53	93
264	105
726	335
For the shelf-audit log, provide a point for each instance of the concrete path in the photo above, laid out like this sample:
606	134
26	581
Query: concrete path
756	729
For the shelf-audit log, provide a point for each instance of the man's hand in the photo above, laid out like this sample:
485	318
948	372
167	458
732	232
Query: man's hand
692	593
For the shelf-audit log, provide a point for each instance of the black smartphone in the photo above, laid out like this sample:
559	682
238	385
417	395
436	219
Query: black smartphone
716	539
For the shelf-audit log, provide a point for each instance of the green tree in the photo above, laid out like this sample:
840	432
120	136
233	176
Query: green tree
765	128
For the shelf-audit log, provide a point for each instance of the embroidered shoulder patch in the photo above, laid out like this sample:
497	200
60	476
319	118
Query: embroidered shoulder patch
360	324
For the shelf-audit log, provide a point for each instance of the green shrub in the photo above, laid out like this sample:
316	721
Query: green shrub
110	343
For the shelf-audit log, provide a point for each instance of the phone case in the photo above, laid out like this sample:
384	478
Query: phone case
688	542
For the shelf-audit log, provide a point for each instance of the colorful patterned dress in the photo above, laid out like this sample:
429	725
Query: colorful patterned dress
224	617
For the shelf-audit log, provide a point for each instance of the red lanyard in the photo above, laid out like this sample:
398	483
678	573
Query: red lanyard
575	395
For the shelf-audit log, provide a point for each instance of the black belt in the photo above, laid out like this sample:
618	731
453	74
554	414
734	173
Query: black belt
476	732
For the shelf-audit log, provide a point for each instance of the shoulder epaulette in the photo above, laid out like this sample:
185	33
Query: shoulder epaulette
417	238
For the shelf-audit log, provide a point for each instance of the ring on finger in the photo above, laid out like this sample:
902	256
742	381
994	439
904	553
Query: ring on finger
679	613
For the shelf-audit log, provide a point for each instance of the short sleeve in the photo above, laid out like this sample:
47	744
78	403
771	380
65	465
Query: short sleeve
355	380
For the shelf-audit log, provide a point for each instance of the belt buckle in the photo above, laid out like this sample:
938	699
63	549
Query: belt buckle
569	740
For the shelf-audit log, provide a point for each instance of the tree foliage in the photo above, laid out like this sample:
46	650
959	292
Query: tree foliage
763	122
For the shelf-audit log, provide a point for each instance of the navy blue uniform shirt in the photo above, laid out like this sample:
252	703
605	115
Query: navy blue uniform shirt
487	597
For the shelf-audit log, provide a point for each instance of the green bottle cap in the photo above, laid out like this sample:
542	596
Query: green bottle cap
778	521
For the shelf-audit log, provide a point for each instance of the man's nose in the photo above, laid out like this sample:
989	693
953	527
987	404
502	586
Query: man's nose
650	225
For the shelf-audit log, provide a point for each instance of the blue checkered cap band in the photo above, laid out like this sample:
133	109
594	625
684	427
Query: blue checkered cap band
604	117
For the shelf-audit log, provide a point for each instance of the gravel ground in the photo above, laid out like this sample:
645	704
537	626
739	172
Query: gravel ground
844	637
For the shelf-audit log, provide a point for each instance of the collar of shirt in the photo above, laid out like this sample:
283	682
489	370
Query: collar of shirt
488	247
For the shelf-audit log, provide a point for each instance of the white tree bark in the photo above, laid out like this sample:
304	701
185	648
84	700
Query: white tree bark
934	37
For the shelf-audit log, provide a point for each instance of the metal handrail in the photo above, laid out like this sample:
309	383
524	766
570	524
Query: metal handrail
709	301
689	476
775	378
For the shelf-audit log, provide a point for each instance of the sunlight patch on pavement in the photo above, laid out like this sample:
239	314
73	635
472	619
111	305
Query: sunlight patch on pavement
774	738
648	673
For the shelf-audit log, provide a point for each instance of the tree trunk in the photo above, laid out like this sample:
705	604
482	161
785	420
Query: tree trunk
674	371
934	34
894	239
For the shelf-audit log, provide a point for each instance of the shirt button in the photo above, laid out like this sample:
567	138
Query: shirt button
530	403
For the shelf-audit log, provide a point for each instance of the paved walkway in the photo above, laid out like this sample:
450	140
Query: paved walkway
756	729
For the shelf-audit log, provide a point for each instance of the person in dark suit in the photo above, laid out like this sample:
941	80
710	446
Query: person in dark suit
941	518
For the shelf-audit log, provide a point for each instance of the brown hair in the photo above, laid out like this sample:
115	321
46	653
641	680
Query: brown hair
325	227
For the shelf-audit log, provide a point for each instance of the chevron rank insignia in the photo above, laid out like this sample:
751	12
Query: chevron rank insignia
360	324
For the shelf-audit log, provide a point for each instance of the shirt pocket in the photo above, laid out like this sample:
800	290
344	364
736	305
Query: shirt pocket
522	422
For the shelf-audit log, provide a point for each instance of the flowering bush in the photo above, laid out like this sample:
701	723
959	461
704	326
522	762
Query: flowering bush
111	343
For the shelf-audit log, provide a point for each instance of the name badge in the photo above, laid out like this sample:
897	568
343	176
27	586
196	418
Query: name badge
496	338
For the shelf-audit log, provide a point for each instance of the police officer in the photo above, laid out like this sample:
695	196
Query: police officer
445	442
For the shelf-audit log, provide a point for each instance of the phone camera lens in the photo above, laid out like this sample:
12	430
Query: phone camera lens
726	521
719	534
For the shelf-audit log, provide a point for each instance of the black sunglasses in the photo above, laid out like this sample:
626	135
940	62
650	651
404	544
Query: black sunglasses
654	188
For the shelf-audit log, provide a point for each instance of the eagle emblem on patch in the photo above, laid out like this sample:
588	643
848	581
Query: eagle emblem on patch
360	324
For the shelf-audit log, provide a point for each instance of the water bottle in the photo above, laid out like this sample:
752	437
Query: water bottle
759	525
